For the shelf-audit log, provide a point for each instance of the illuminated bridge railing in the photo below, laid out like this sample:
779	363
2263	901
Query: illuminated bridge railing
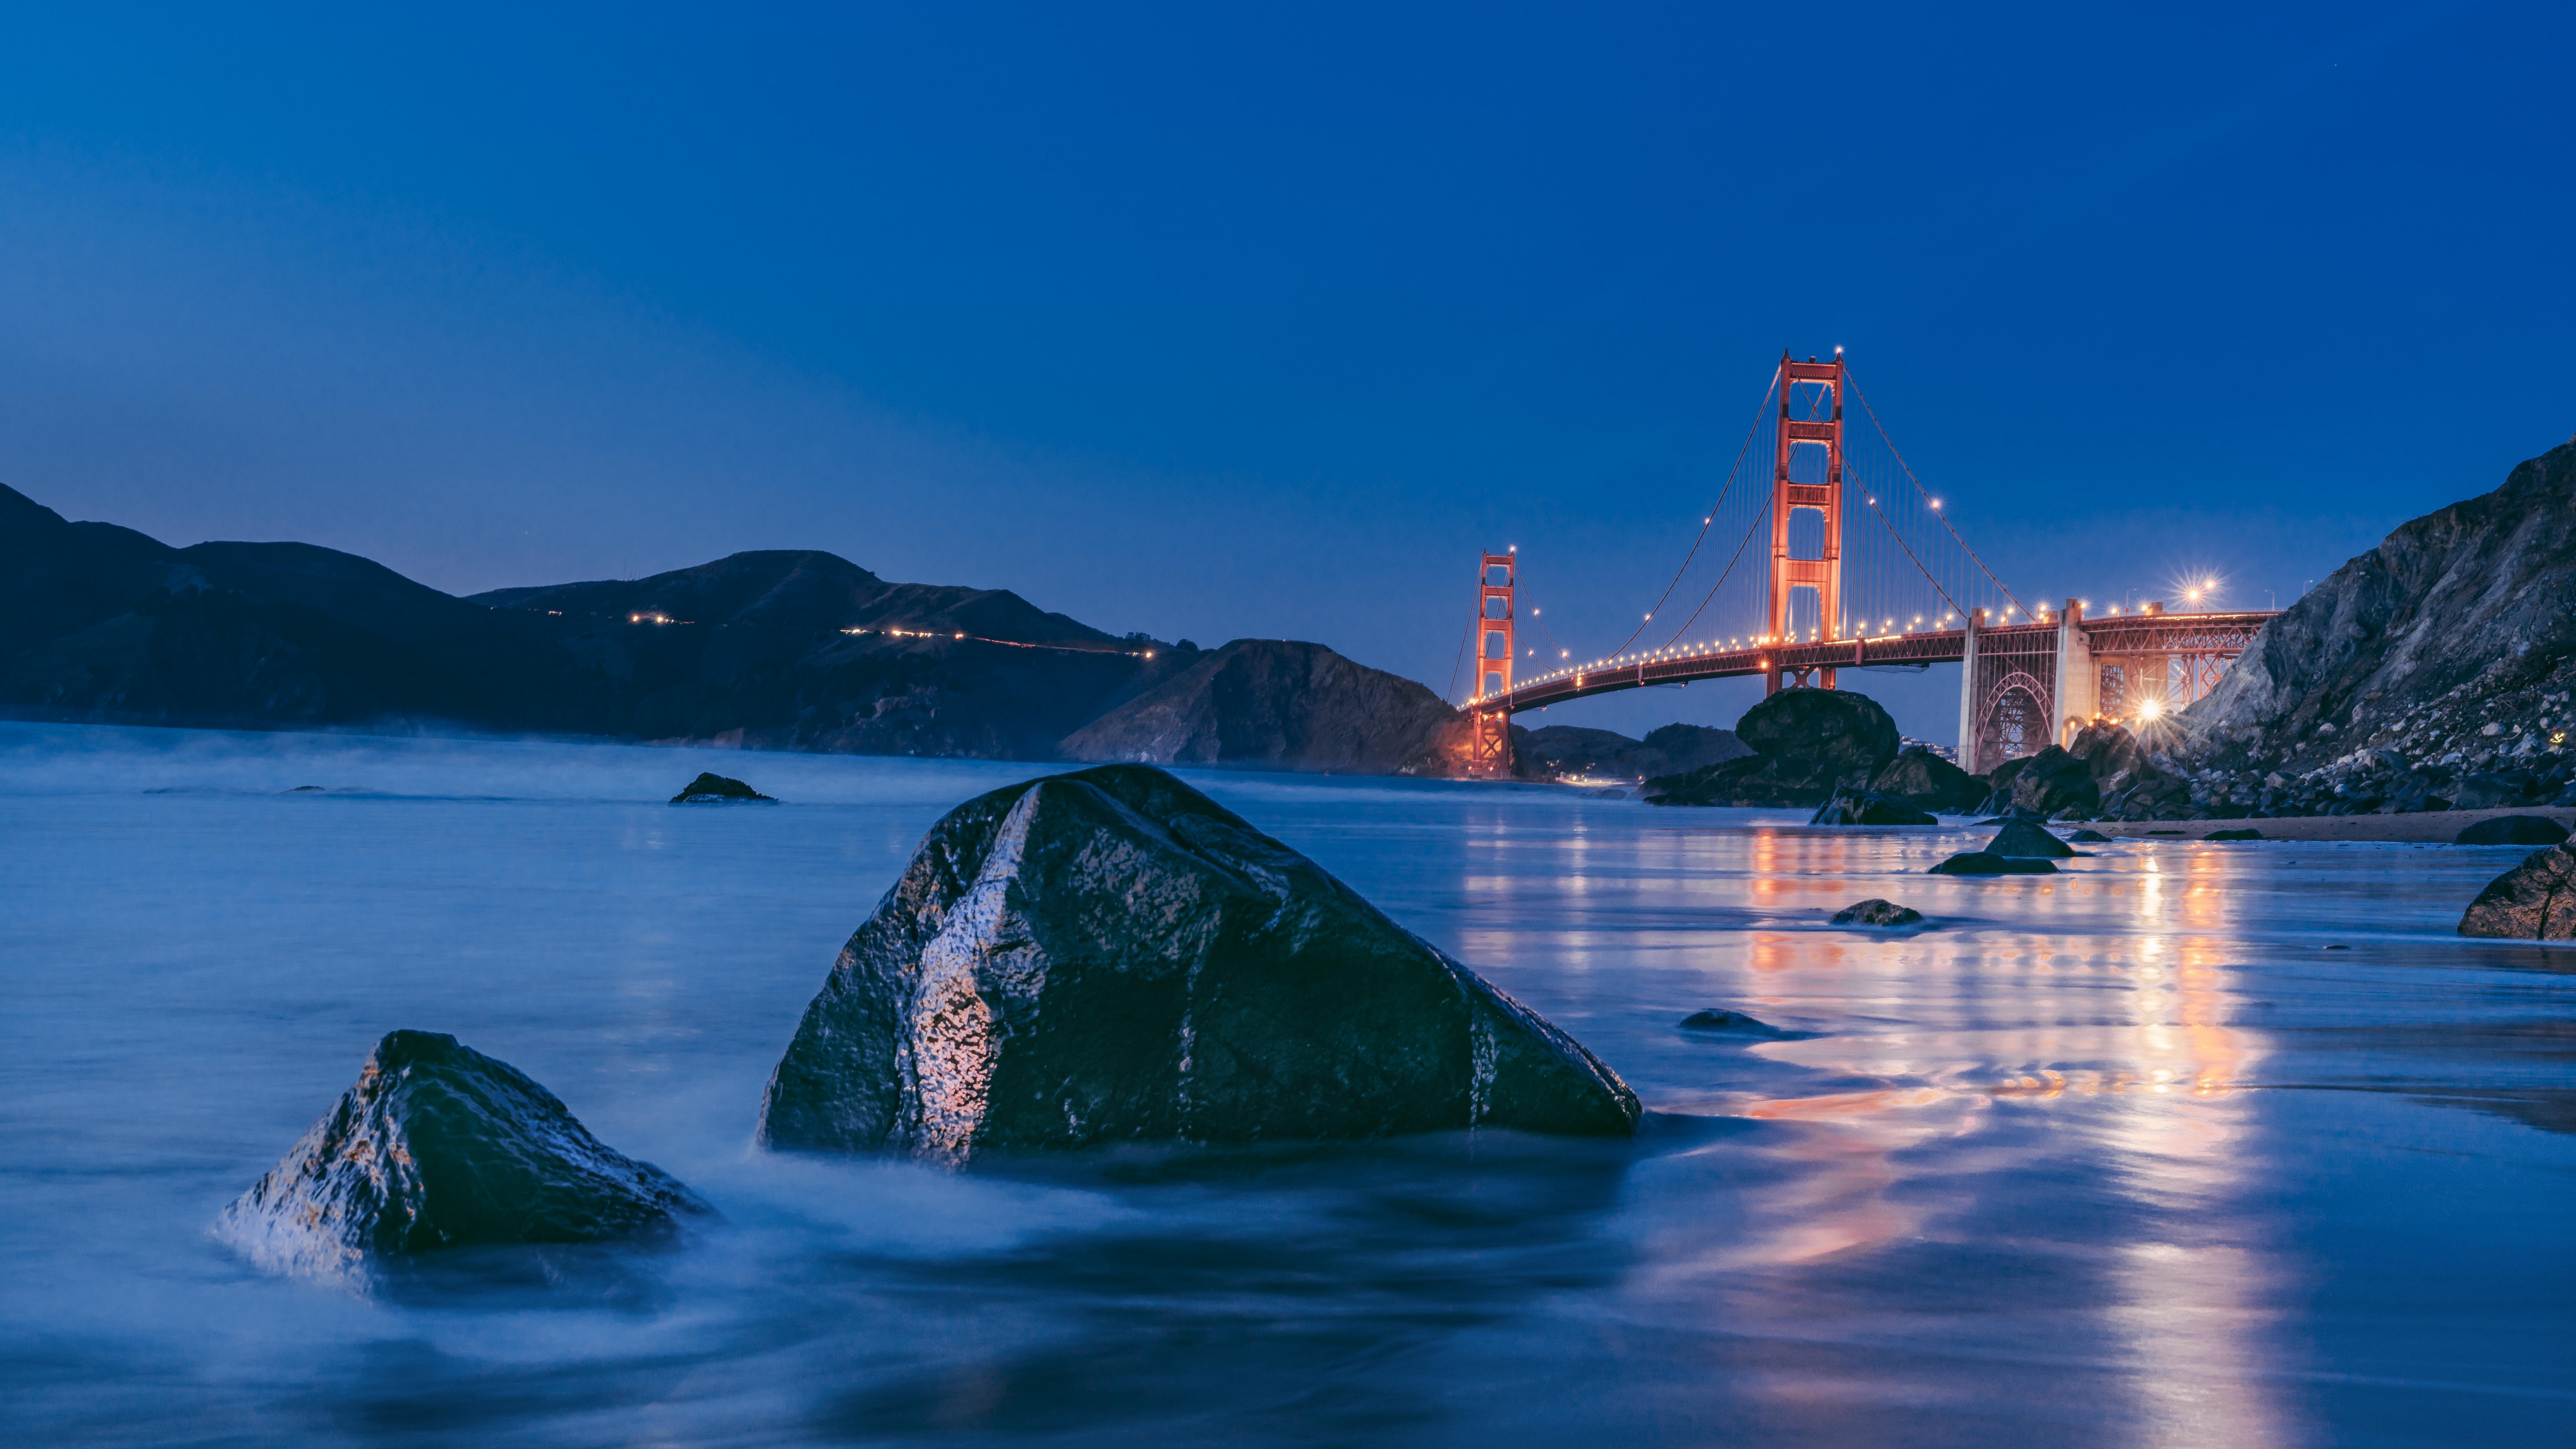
2209	637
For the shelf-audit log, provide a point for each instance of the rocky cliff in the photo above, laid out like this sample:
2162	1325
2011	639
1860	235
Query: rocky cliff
1277	704
2439	663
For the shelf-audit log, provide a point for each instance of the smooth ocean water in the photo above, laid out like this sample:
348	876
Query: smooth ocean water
2121	1156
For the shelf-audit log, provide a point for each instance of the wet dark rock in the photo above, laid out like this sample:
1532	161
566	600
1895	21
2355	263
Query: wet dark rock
439	1146
1979	862
2534	901
2088	837
713	789
2248	833
2053	780
1718	1019
2513	830
1806	742
1868	807
1111	956
1928	782
2493	791
1876	912
2025	840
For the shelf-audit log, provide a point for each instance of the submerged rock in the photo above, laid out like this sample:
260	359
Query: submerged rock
2513	830
2025	839
1868	807
1979	862
1717	1019
2248	833
714	789
2088	837
2534	901
1110	955
1876	912
439	1146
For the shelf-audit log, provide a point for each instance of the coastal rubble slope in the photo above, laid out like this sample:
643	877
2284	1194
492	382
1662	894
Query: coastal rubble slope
2435	670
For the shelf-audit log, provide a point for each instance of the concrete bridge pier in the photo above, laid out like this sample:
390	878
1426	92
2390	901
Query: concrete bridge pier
2079	679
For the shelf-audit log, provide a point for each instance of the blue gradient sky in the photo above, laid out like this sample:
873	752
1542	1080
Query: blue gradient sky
1221	322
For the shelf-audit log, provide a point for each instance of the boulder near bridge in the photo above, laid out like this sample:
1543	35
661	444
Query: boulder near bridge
1903	589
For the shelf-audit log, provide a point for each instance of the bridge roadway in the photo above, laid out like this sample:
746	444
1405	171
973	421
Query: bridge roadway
2216	634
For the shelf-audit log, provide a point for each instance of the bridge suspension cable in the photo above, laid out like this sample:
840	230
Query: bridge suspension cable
1872	414
1761	412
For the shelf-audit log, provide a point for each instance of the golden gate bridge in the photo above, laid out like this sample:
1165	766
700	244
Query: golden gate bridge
1902	588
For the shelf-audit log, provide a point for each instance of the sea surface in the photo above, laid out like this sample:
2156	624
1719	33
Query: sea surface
2190	1145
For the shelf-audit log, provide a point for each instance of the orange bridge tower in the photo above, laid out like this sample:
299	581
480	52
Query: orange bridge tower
1490	746
1811	416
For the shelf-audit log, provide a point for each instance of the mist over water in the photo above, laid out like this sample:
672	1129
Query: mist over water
2120	1156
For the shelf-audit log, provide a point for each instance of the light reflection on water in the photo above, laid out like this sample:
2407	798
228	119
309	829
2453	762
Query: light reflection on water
2117	1156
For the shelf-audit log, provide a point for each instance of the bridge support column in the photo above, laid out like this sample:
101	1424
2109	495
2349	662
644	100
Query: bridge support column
2079	678
1968	693
1489	747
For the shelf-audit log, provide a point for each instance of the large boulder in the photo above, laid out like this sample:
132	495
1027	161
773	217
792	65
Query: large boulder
439	1146
2513	830
1805	741
2534	901
1868	807
2054	780
1927	781
2493	790
1110	956
1836	729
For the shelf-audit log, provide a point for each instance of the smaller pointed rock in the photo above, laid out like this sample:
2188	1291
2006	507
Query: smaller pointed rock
714	789
2027	840
1735	1023
1876	912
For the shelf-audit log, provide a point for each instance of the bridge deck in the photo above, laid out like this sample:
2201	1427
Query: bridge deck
2112	635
